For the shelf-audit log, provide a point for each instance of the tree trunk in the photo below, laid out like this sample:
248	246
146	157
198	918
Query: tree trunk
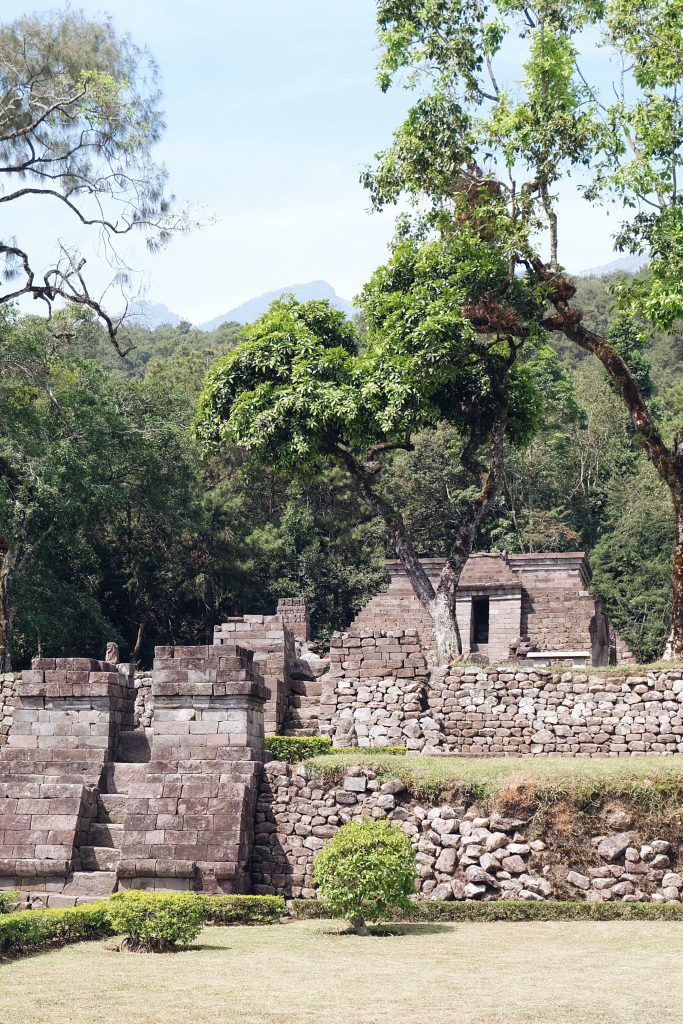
674	645
359	926
446	631
6	612
139	638
667	460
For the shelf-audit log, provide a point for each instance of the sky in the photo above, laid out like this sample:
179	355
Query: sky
272	110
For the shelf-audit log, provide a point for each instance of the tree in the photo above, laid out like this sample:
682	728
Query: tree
299	389
54	437
488	159
366	870
79	116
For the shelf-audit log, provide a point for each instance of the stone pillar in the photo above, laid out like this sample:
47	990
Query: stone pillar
189	821
295	613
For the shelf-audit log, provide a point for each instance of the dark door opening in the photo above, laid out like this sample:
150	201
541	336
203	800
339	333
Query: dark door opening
480	620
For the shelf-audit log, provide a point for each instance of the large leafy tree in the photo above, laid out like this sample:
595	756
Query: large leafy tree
481	153
301	389
79	115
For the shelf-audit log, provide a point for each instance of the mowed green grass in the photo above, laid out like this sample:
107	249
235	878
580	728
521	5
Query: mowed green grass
312	973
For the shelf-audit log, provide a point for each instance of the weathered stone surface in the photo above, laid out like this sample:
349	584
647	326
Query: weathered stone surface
612	847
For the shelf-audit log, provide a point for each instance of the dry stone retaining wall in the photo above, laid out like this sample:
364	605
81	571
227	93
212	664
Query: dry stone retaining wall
509	711
8	681
462	851
380	692
376	693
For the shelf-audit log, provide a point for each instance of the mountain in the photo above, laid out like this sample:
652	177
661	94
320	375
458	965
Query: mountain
622	265
253	308
152	314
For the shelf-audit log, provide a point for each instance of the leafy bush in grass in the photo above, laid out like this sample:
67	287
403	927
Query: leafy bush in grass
295	749
29	930
244	909
365	871
10	901
155	921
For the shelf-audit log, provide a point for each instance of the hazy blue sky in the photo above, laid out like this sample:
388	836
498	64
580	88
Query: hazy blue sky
271	110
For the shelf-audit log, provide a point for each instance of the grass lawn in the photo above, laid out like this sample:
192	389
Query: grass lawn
487	777
310	973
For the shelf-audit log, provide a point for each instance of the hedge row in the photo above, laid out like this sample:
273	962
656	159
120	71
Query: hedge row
244	909
513	910
10	900
135	910
295	749
30	930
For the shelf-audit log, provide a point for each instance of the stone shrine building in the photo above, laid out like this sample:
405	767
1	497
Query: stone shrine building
510	605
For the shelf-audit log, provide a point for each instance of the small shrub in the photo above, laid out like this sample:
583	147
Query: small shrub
10	901
244	909
295	749
156	921
365	871
29	930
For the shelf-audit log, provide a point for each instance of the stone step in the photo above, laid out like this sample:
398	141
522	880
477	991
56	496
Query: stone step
296	701
135	746
99	858
101	834
90	883
111	808
295	721
300	732
117	776
307	687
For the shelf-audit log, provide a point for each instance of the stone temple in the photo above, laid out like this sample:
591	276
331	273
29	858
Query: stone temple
111	779
511	604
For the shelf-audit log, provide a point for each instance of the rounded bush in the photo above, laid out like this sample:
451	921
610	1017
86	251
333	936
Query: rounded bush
156	921
365	871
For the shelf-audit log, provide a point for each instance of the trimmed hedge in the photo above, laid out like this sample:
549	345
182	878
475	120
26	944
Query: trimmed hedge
10	900
244	909
30	930
156	921
295	749
512	910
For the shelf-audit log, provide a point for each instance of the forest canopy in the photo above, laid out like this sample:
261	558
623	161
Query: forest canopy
152	542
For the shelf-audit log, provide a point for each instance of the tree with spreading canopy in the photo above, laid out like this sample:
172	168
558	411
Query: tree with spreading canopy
79	115
450	337
481	153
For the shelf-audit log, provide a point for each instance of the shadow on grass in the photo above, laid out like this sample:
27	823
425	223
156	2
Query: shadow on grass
393	931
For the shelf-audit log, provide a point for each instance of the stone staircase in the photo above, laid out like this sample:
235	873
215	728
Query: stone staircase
98	855
304	708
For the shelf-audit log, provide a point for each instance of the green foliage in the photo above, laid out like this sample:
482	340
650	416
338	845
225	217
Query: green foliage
365	870
10	900
155	921
30	930
509	910
631	561
243	910
294	749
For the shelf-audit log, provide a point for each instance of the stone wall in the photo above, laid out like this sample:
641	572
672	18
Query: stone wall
67	719
272	643
463	851
380	692
508	711
376	692
7	691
